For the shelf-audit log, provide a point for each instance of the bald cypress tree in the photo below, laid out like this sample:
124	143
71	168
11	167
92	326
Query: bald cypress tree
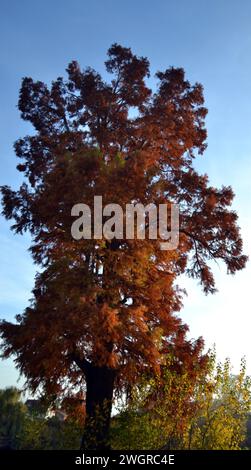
105	310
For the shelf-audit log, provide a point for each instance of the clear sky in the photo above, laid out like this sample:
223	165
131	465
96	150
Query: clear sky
212	41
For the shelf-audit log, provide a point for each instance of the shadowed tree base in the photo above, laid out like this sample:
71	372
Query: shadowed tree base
100	384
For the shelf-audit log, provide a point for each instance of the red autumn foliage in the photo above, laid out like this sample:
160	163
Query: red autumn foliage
103	309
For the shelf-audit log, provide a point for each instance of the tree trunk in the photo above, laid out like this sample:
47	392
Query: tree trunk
100	384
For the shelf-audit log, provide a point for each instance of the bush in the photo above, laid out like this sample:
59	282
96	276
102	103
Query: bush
175	411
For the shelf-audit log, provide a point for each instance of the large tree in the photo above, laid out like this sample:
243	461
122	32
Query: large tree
104	310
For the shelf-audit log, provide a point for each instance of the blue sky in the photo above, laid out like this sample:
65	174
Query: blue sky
212	41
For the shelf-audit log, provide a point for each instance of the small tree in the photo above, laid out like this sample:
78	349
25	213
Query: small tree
182	411
12	415
159	410
224	403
